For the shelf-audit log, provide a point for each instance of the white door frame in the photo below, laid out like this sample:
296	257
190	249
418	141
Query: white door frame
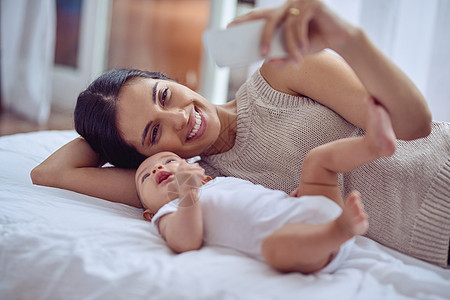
214	82
68	82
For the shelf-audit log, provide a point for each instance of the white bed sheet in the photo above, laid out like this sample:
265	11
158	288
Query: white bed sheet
56	244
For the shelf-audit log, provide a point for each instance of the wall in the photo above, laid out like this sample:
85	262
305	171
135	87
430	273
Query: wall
159	35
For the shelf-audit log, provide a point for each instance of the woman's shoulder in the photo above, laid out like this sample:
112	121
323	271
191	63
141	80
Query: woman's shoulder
258	91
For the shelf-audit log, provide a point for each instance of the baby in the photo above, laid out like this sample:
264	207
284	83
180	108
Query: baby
304	232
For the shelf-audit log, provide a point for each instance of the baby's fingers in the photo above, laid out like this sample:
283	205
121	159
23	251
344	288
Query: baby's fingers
294	193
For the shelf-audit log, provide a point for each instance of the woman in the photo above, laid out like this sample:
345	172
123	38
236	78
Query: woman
128	115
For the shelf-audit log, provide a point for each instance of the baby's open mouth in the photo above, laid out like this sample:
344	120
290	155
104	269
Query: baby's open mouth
163	176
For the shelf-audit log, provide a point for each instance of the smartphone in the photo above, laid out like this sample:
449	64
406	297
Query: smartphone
239	45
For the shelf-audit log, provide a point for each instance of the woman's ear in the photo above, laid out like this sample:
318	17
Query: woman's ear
148	215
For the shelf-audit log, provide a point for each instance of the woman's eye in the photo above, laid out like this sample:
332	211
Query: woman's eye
164	96
145	176
155	133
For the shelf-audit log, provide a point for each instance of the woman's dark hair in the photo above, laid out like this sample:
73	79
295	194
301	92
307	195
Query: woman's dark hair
95	117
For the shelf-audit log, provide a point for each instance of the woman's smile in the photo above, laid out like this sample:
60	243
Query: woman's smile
196	126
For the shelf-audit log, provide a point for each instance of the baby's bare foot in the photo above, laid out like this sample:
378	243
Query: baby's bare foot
353	220
379	129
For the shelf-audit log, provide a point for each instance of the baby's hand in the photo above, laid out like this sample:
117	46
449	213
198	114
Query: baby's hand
188	178
294	193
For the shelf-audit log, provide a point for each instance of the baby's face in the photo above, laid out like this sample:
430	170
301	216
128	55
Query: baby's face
153	177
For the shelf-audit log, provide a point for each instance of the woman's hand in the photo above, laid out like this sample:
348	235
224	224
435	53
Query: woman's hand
308	27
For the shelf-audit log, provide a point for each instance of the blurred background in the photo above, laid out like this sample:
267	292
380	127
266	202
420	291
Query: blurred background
52	49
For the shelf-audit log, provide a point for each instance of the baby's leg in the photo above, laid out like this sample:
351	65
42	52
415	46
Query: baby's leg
307	248
321	165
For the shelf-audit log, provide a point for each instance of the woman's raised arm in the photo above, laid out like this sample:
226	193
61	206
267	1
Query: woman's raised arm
309	27
75	167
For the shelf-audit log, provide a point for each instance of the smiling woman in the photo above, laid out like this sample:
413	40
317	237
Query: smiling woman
137	107
100	98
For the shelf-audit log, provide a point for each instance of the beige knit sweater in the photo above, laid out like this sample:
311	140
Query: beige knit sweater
407	196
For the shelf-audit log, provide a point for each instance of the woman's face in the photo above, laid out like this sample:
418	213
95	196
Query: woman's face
157	115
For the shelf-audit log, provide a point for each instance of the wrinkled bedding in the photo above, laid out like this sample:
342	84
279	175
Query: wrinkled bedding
57	244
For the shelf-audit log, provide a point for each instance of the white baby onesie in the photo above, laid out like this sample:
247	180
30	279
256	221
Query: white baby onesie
239	214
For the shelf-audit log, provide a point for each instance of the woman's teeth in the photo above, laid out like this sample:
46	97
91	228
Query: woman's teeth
198	122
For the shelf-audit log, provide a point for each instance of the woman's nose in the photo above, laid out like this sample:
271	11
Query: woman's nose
178	117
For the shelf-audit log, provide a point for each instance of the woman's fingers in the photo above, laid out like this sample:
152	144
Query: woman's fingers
307	27
255	14
273	20
300	15
303	30
294	18
291	38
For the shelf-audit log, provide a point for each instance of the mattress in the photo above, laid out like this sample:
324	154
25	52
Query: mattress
57	244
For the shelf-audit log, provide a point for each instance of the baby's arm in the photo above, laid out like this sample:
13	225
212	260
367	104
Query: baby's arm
183	229
322	164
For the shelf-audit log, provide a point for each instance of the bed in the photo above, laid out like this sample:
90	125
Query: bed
57	244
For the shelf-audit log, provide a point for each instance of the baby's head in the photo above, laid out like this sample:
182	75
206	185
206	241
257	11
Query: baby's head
152	181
